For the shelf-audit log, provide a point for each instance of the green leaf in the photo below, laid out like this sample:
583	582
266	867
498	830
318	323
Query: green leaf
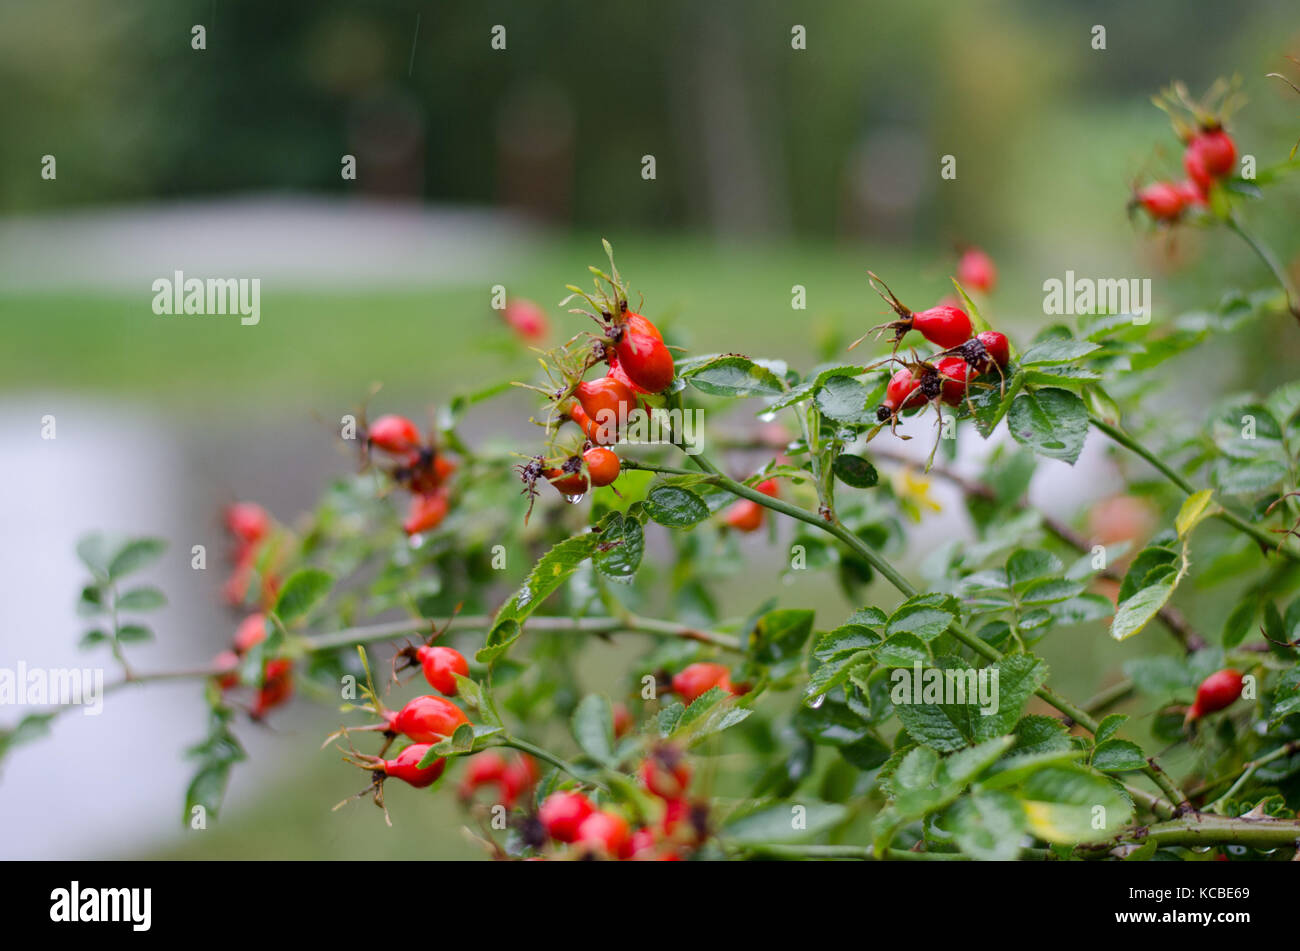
1248	476
91	638
844	400
1240	622
778	640
551	571
1051	421
709	713
593	728
1286	696
134	634
93	551
1024	566
987	825
991	404
855	471
733	375
1057	350
1070	805
1118	756
468	738
134	555
902	650
1101	405
1195	509
1108	727
785	822
675	507
302	591
622	545
1137	611
921	619
147	598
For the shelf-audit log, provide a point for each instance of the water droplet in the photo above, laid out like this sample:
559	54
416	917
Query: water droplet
525	595
574	499
766	417
816	704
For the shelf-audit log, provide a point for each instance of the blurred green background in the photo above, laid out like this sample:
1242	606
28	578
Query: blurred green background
774	167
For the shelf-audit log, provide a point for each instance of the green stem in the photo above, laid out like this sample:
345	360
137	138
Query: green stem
1265	254
548	757
1265	539
864	853
387	631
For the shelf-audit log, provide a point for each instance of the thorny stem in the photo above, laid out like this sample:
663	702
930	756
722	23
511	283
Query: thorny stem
1202	829
865	853
1266	541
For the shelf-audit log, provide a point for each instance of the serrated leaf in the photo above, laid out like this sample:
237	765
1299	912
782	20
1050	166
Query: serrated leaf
302	591
1118	756
622	546
844	400
1137	611
675	506
735	376
1057	350
1050	421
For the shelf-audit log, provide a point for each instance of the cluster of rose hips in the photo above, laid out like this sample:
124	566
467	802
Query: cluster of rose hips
638	363
421	468
1210	154
277	672
571	819
513	778
946	376
425	721
250	526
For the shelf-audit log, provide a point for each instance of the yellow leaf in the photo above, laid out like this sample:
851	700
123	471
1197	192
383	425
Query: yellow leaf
1197	507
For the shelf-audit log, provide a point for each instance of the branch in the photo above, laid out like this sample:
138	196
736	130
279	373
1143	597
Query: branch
715	477
1265	540
1169	615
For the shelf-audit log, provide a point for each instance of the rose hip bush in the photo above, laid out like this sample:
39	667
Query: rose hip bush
866	735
